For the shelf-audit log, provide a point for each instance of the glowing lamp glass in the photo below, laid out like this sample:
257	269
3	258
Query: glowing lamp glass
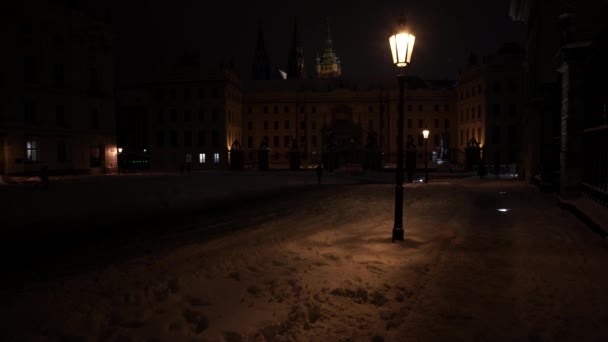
402	45
425	133
120	150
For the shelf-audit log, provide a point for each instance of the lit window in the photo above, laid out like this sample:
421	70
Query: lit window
201	158
216	158
31	148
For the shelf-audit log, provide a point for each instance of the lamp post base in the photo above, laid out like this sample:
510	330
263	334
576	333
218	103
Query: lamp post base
397	234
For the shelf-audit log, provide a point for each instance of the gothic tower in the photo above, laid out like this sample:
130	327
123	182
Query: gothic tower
328	65
261	62
295	64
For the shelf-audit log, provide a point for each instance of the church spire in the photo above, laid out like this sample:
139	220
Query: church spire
328	42
328	65
295	64
261	63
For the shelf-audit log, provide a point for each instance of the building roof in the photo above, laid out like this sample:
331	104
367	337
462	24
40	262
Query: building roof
319	85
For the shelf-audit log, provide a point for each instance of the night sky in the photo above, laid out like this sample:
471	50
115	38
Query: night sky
150	35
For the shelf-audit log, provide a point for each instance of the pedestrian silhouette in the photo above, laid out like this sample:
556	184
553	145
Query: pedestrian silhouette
319	170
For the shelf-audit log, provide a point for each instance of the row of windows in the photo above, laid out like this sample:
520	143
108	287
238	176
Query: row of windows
31	116
496	109
187	115
496	135
31	74
32	153
370	108
436	108
285	109
286	124
464	114
470	91
497	87
201	138
202	158
276	141
422	124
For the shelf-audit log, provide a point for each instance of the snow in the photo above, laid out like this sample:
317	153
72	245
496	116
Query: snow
327	271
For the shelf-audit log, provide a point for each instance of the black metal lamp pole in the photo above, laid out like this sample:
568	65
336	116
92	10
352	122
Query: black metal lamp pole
426	159
398	228
402	45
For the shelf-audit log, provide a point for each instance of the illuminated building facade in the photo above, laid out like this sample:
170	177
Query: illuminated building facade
56	103
490	105
196	118
191	120
316	113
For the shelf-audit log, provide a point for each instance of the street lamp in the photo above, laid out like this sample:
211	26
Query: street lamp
426	172
402	45
119	160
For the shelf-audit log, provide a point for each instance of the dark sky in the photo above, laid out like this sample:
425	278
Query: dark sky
150	35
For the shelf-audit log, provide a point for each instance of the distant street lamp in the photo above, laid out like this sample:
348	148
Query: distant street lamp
402	45
119	160
426	172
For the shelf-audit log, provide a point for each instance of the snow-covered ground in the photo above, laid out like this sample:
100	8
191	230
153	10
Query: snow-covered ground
326	270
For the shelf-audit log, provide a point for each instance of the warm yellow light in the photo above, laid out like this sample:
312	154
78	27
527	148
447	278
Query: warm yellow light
120	150
402	45
425	133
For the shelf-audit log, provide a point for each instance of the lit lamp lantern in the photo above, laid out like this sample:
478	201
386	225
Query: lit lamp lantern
402	45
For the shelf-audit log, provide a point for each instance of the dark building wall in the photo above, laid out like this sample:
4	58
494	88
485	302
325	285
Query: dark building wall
58	107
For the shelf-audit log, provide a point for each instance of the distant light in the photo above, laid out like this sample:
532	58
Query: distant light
145	150
120	150
503	210
425	133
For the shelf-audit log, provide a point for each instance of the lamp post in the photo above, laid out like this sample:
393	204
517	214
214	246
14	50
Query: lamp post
402	44
119	159
426	157
425	133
